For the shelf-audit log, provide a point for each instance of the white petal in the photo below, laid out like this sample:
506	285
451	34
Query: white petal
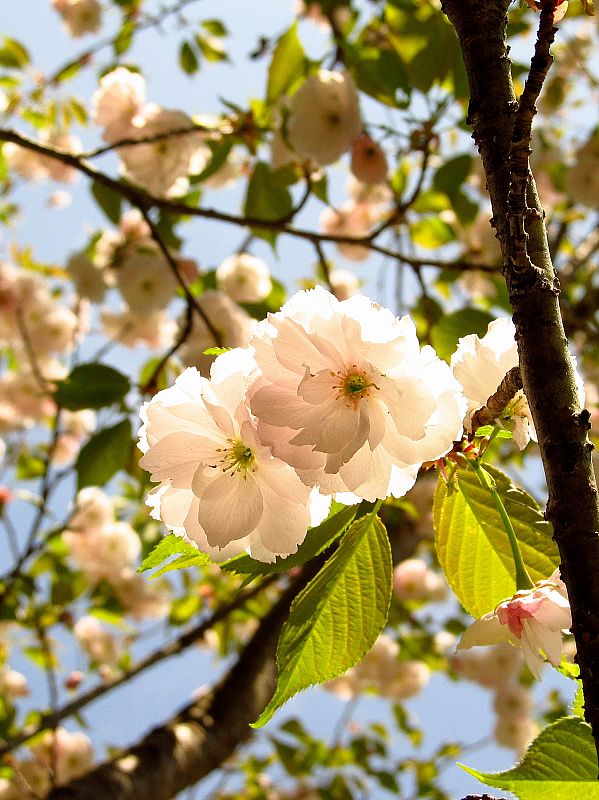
230	508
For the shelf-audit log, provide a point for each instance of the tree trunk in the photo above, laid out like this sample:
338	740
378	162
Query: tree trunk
545	362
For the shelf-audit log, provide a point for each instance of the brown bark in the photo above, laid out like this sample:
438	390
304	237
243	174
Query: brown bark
204	734
546	367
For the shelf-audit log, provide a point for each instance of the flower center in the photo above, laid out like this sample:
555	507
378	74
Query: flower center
238	458
354	385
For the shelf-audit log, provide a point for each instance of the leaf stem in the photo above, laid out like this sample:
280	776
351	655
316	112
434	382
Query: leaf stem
523	579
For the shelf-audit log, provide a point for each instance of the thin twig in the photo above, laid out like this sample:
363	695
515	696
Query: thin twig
140	198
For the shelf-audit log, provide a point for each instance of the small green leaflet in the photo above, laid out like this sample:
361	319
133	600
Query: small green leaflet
91	386
336	618
105	453
561	764
287	65
473	546
317	539
172	545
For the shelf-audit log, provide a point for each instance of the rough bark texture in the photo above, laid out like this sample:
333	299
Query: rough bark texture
205	733
546	368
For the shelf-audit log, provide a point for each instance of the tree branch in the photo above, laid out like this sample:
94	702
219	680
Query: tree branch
142	199
545	362
184	641
205	733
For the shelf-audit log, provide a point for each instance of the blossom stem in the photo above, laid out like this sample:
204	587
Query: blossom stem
523	579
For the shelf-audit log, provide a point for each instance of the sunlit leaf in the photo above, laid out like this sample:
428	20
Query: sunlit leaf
473	546
561	764
336	619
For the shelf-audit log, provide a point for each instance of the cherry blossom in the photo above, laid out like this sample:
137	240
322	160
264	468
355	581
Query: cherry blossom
153	329
145	279
89	281
368	160
481	364
324	117
233	324
532	619
163	166
219	485
350	220
348	398
79	16
118	100
561	7
244	277
381	672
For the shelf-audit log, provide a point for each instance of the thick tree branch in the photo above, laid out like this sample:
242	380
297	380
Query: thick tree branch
545	363
190	637
198	740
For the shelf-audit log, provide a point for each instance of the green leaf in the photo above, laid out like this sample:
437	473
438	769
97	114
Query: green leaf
91	386
447	331
287	65
188	60
378	72
13	53
103	455
431	232
173	545
337	617
561	764
124	38
317	539
452	174
473	546
267	198
109	201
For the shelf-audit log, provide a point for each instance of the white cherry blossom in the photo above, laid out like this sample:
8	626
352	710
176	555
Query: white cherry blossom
244	277
163	166
79	16
348	398
324	117
219	485
481	364
120	98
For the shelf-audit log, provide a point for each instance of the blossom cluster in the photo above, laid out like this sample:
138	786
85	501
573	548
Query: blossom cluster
106	549
57	758
330	398
382	672
498	668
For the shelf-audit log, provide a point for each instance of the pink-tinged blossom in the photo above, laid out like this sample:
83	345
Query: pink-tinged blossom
381	672
232	323
348	398
219	485
324	118
244	278
153	329
532	619
79	16
13	684
120	97
481	364
163	166
368	160
561	7
350	220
